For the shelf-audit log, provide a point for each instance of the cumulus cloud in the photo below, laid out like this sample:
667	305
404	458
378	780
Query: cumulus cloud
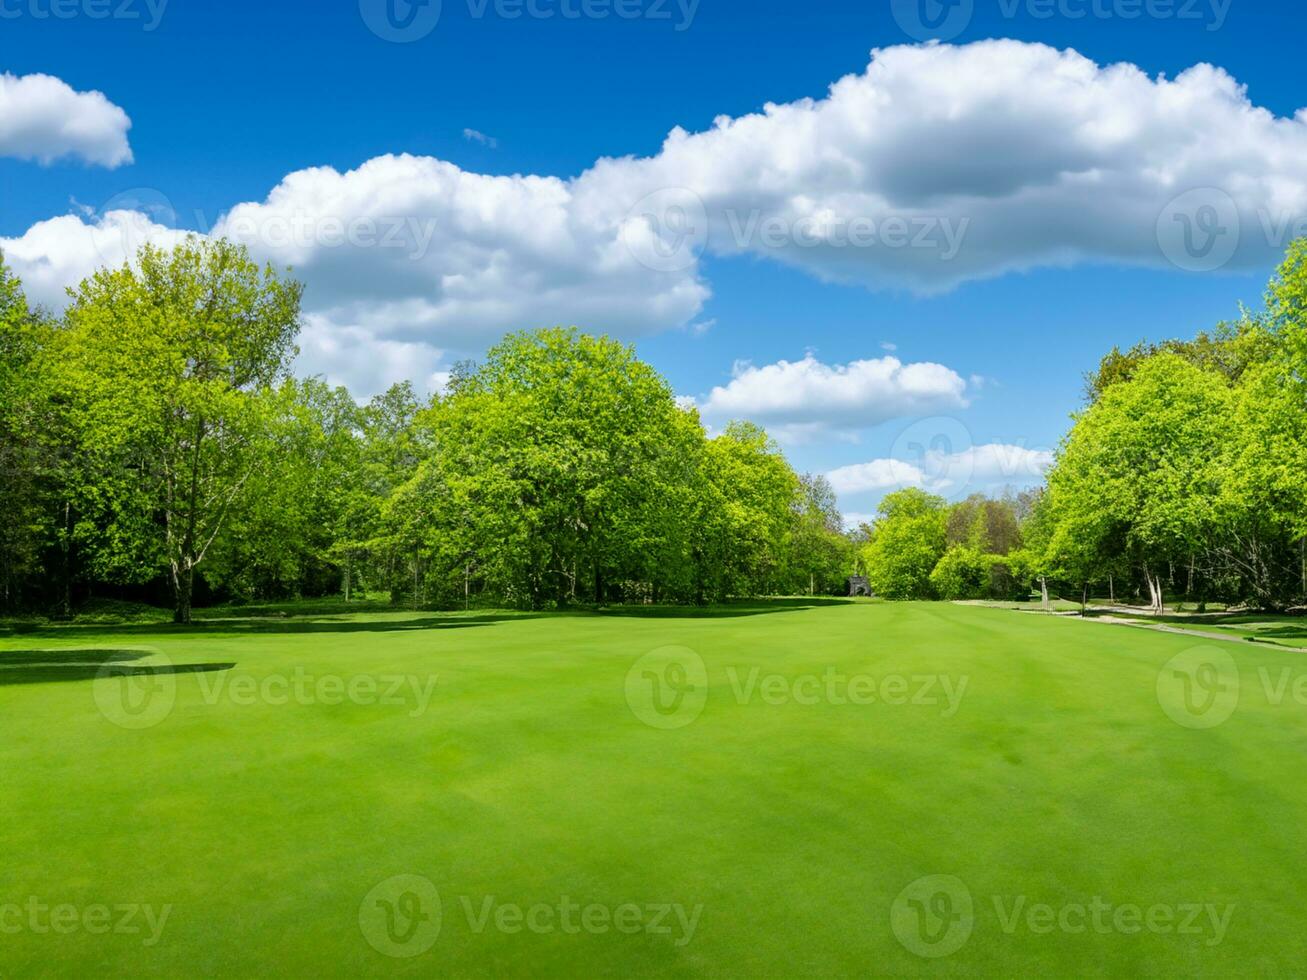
951	473
808	396
353	357
42	118
941	164
936	165
55	254
878	474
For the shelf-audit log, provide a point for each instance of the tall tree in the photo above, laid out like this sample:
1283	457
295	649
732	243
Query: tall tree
1137	468
167	365
23	335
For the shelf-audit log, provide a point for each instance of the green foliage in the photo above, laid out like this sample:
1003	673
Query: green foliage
23	439
962	573
1185	473
164	372
984	525
820	556
907	541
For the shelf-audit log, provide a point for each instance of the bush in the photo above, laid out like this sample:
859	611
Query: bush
963	573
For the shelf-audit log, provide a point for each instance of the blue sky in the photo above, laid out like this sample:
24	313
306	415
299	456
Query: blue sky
227	99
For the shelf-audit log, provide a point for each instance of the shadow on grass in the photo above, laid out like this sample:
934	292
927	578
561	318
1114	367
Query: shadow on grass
52	666
752	607
271	620
273	626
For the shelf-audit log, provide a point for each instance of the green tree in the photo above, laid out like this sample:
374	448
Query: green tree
1137	469
23	438
820	554
746	510
166	366
908	539
560	468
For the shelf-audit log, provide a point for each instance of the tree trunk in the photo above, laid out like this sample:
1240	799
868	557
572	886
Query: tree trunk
183	585
68	566
1111	590
347	570
1154	591
1084	598
1043	591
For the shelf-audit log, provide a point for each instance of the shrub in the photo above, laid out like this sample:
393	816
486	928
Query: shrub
963	573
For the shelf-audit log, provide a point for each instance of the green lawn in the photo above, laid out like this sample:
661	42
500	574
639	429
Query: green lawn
763	825
1280	630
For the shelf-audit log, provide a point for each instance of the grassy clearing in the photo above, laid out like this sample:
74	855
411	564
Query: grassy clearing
790	818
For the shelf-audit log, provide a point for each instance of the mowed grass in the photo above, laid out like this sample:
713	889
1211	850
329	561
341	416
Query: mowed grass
790	822
1281	630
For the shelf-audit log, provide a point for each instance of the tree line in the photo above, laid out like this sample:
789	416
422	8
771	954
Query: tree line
154	442
1184	475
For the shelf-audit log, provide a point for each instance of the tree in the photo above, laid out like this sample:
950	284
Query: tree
984	525
283	534
562	469
908	539
23	525
167	367
819	554
1137	470
745	511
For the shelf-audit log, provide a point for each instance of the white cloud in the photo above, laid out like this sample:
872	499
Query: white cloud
960	162
412	248
998	463
952	473
476	136
878	474
811	397
352	357
59	252
42	118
